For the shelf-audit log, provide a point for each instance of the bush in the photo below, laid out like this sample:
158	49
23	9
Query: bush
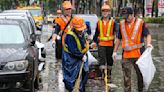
159	20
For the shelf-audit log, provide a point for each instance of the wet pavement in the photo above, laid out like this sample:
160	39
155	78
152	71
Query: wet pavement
52	75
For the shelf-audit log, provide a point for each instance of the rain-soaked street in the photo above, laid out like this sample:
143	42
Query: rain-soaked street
52	75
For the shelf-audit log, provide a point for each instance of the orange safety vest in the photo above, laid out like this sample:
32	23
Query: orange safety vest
106	36
62	22
131	38
84	50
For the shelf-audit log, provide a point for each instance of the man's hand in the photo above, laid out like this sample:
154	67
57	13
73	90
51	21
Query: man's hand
149	46
93	45
84	58
114	55
58	37
89	37
53	44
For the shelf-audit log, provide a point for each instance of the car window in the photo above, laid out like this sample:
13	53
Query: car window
35	12
11	34
28	25
32	23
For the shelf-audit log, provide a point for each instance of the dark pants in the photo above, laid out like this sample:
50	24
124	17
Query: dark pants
127	67
105	57
58	49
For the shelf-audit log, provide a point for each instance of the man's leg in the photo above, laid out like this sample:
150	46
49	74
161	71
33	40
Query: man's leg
109	61
102	59
126	67
139	76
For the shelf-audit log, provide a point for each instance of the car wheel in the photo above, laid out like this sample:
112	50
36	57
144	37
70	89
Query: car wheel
38	82
32	86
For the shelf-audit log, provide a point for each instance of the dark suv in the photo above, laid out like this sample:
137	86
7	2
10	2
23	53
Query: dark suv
18	57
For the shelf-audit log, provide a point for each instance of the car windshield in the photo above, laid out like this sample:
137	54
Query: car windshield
35	12
11	34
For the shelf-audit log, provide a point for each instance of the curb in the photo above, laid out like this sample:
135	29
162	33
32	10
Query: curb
151	25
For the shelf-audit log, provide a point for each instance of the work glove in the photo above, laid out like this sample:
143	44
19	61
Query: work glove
89	37
93	45
58	37
114	55
149	46
84	58
53	44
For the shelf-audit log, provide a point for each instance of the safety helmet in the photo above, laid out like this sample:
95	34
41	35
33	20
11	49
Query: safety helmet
78	23
67	5
105	7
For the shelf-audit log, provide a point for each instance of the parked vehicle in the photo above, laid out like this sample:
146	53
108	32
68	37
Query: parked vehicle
27	12
30	28
36	13
18	57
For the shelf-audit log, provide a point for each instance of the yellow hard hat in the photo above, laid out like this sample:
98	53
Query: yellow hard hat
105	7
78	23
67	5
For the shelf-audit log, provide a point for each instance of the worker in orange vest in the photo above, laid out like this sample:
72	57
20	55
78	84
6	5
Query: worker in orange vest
132	33
62	27
104	35
74	57
59	14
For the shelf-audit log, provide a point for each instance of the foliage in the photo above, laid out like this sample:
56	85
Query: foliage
159	20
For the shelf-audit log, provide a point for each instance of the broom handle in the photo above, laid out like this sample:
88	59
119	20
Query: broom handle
106	79
81	68
77	83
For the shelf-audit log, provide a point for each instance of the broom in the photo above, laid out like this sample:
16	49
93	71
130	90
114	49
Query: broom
77	83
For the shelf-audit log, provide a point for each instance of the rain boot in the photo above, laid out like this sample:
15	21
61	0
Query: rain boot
109	72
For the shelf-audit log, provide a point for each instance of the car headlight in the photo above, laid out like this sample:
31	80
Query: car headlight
16	65
10	66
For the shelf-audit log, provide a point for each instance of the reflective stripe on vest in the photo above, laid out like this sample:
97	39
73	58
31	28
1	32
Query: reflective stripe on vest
66	21
108	37
127	47
77	42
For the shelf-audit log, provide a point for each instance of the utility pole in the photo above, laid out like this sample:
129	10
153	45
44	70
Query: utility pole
144	7
152	13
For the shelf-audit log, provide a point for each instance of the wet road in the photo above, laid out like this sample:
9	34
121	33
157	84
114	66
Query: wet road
52	75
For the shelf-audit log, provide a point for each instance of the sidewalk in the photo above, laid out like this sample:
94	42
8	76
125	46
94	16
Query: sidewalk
152	25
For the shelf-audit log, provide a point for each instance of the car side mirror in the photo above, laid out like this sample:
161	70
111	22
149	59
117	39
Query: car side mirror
33	39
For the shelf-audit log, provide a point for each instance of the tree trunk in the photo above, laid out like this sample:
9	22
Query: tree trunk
152	9
119	8
156	8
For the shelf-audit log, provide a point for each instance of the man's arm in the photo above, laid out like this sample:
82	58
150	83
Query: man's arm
116	27
116	45
148	39
96	34
147	35
95	38
56	32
